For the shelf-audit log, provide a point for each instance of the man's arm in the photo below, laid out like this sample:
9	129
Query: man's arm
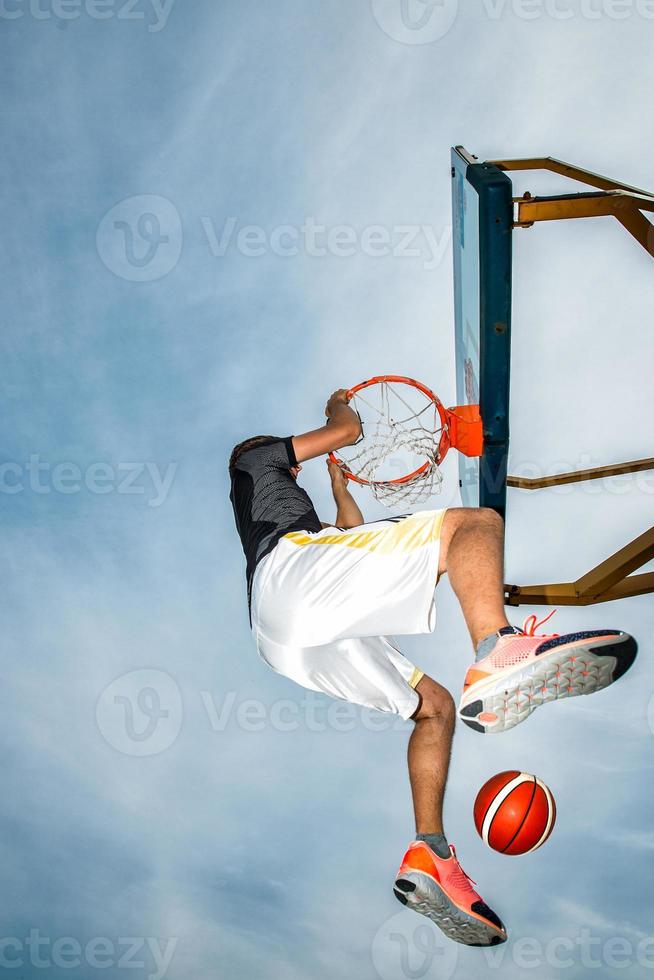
347	510
343	429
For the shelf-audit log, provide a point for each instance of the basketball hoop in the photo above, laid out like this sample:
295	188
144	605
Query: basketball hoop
407	433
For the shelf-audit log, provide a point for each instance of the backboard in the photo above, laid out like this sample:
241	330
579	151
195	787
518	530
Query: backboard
482	202
485	215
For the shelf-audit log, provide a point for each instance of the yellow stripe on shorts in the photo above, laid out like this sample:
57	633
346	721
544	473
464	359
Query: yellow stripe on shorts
411	533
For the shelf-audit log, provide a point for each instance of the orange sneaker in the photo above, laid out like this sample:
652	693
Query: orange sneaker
440	889
525	671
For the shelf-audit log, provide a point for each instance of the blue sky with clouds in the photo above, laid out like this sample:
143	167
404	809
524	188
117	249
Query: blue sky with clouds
204	208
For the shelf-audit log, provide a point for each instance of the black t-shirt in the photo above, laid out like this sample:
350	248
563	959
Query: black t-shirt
267	501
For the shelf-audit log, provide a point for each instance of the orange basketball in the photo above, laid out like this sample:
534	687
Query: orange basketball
514	813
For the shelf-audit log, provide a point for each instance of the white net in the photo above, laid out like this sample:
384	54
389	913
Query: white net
402	429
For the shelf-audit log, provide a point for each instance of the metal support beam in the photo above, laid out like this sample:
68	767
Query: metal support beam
625	207
568	170
615	199
618	566
564	594
579	476
612	579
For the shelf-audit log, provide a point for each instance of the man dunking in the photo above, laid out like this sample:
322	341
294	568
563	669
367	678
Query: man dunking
326	602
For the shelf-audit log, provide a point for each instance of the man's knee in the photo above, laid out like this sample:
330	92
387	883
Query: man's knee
467	519
491	517
435	701
458	517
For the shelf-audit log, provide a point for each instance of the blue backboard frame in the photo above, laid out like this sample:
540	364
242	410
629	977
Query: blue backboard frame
482	207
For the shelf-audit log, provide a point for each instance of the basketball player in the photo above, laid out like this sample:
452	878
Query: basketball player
326	602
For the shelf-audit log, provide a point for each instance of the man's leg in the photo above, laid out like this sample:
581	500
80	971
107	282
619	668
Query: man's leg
472	547
431	880
429	754
472	554
515	672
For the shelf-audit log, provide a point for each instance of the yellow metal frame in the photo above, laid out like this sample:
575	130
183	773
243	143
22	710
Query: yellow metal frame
579	476
613	578
613	198
610	580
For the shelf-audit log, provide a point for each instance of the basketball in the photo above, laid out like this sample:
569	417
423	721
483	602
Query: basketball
514	813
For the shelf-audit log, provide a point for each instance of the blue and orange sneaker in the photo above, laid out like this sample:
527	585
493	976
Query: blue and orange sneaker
525	671
440	889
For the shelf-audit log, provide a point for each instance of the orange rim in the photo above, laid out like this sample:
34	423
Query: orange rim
443	445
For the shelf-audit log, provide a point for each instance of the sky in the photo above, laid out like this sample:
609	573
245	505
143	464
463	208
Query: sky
216	213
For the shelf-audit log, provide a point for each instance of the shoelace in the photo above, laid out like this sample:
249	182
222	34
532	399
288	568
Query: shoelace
532	623
458	874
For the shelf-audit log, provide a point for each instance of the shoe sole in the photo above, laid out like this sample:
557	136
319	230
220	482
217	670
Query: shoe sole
420	892
506	699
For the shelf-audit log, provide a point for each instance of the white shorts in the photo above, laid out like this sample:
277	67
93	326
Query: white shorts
326	606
